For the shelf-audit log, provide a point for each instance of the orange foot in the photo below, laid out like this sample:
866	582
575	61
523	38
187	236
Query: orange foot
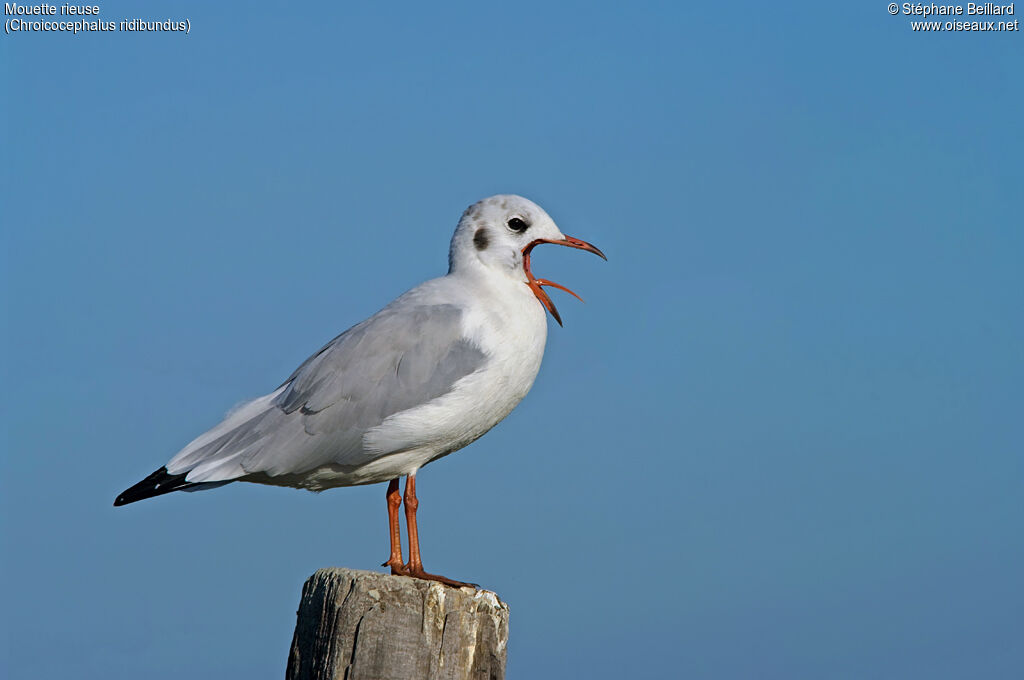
397	568
417	572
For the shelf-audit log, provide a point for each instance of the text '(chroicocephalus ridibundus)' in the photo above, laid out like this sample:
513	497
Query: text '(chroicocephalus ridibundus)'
423	377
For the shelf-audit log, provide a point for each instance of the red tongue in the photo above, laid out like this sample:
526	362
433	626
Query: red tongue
545	282
535	285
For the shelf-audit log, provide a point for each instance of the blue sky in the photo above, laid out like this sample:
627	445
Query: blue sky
782	438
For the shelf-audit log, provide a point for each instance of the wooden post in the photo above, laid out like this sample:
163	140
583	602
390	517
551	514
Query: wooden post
362	625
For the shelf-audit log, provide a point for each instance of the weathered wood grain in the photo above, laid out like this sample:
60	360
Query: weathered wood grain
361	625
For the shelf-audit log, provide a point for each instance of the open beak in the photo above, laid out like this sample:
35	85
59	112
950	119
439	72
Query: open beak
536	284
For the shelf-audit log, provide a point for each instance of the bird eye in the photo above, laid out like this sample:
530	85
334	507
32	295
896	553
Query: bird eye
518	224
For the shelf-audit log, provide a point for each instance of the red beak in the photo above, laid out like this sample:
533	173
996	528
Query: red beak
535	283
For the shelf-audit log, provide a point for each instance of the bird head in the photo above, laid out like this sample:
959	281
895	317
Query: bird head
500	232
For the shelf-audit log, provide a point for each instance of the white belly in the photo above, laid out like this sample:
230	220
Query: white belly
513	334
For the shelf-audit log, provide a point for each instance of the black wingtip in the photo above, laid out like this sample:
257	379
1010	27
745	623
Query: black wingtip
157	484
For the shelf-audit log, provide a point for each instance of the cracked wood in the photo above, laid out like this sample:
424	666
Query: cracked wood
358	625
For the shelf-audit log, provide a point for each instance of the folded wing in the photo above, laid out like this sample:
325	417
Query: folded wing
402	357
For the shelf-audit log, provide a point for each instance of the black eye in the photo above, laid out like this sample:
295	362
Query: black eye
518	224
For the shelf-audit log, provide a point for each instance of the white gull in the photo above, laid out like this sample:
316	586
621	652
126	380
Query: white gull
425	376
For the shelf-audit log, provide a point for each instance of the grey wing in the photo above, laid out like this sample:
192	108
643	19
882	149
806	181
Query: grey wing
401	357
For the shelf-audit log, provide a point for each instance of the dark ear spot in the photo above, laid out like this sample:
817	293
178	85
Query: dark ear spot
480	239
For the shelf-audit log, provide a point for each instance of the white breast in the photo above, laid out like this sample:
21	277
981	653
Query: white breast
508	323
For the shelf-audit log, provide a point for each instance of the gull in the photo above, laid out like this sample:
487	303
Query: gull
427	375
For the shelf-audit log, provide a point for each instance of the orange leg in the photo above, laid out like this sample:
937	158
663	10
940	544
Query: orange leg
394	498
415	566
